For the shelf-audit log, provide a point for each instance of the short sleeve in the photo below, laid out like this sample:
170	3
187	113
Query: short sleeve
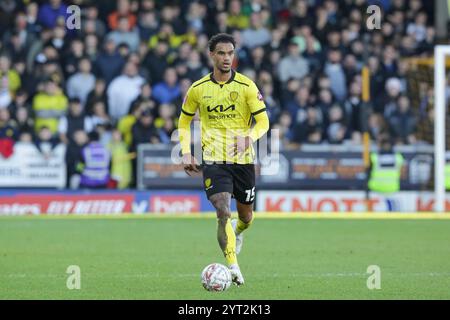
190	105
255	99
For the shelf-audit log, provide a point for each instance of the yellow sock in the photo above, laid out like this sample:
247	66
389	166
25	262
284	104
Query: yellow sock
230	249
241	225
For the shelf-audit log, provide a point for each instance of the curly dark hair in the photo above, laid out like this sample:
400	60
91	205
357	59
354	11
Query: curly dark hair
218	38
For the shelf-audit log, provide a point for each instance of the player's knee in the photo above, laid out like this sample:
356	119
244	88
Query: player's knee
222	220
221	203
246	217
245	213
223	212
222	207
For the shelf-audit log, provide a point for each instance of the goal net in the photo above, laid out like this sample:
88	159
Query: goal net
431	110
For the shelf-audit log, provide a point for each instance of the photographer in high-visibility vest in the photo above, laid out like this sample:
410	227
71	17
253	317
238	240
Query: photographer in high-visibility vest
385	168
447	170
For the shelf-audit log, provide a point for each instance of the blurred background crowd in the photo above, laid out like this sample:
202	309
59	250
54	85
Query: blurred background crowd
120	79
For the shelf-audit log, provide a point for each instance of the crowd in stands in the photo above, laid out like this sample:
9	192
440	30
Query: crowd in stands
123	74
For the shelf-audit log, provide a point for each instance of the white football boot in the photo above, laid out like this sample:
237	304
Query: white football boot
236	275
239	237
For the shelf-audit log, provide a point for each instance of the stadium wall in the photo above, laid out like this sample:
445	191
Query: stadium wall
167	202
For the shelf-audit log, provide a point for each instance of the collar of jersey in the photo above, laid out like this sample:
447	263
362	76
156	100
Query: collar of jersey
233	73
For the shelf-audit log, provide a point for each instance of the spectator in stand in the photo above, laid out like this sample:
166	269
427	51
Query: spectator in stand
308	131
335	71
46	141
9	81
144	130
74	156
135	58
109	63
219	25
91	47
31	12
418	29
8	133
166	114
168	90
95	165
257	61
96	95
236	19
51	12
377	126
389	61
127	122
353	111
91	23
49	106
25	123
292	66
167	130
20	101
336	132
146	97
72	58
272	103
23	35
81	83
195	16
185	84
298	107
156	61
147	25
121	168
100	115
125	34
285	122
324	104
124	9
195	67
74	121
123	90
257	34
390	97
18	41
403	122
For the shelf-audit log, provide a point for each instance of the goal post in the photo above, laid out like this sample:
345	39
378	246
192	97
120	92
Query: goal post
440	81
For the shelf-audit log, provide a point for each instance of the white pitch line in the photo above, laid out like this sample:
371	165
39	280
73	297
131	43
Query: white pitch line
188	275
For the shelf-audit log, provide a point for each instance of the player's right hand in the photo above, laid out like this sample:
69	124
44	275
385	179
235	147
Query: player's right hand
190	164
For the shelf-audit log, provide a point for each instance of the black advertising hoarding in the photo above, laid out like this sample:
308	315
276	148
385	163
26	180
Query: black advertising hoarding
319	168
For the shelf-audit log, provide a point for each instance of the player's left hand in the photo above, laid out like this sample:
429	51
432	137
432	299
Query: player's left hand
240	146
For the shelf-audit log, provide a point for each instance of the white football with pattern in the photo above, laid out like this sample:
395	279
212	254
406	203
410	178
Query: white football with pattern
216	277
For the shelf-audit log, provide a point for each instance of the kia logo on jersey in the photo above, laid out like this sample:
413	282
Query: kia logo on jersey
220	108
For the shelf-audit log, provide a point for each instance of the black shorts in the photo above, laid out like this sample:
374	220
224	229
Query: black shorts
237	179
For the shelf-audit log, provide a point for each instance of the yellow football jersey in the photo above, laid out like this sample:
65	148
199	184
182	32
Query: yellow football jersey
226	110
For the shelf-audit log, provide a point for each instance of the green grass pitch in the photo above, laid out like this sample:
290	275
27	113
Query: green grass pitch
161	258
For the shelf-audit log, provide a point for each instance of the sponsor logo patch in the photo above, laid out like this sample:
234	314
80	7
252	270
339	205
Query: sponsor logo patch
259	96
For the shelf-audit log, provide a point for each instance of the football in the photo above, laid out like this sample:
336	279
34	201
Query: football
216	277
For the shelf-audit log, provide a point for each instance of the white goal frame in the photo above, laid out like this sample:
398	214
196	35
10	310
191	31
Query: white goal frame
440	54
